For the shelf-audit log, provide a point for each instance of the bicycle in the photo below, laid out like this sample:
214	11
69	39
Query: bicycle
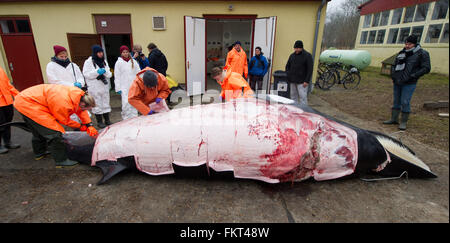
332	72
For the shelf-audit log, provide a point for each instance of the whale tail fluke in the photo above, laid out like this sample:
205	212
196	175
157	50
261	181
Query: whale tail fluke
402	159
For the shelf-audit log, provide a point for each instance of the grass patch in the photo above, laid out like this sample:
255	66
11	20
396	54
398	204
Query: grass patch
372	101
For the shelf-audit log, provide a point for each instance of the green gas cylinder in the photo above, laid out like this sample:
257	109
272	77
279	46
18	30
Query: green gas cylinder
357	58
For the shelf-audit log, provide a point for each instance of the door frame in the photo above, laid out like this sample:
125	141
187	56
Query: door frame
207	17
19	34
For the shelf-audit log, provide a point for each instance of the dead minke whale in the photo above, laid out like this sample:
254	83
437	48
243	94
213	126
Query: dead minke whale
271	139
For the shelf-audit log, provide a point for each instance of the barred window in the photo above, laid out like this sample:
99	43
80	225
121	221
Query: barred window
397	16
440	9
380	36
409	14
363	37
392	37
421	13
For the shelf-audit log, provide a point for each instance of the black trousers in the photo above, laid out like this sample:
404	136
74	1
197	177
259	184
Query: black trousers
256	80
6	115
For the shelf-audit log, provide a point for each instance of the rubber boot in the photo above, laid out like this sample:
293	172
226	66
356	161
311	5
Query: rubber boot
403	121
3	149
7	139
394	117
107	121
65	163
100	123
41	156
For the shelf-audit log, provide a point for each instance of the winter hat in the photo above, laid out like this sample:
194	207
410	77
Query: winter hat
298	44
122	48
150	79
58	49
237	42
96	49
412	39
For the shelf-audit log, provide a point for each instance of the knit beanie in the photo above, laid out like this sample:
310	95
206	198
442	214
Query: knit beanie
122	48
58	49
150	79
298	44
412	39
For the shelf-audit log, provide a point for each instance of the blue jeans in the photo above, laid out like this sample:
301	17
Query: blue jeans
402	97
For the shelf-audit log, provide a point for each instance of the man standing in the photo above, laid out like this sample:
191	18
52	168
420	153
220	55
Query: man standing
257	69
157	59
410	64
149	86
7	92
237	60
45	108
299	68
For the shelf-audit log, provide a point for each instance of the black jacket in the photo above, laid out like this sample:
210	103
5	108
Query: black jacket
410	66
299	67
158	61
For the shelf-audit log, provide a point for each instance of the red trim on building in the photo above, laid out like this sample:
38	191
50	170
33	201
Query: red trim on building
375	6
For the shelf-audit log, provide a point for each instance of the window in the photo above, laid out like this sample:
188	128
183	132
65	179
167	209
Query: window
23	26
380	36
440	9
384	18
376	19
409	14
20	26
444	38
367	19
404	33
392	37
7	26
417	31
421	13
372	35
434	31
363	37
397	16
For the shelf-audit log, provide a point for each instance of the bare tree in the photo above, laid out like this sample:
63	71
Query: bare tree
341	26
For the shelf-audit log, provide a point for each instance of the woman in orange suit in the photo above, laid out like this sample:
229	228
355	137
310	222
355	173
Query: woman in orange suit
7	91
44	108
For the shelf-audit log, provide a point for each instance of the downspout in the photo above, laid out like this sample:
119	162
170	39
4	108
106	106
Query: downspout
316	36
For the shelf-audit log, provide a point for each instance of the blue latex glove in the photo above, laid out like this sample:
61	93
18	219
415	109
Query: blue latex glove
101	71
120	92
158	100
77	84
151	112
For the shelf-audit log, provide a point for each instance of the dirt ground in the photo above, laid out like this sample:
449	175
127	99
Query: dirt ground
35	191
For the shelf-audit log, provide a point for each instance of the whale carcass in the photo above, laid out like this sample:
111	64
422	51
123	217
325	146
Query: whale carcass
250	138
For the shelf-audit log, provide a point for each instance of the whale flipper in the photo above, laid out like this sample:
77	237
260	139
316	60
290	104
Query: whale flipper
112	168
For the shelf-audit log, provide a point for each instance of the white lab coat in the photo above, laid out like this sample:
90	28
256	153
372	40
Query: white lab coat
57	74
96	88
124	75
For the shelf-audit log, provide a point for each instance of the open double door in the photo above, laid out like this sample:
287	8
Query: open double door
263	32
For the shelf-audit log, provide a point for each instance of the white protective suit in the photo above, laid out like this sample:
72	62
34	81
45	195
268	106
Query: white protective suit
124	75
57	74
96	88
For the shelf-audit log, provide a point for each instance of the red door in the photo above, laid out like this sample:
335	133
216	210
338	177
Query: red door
21	53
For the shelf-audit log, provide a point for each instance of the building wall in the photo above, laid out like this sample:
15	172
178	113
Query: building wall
439	52
51	21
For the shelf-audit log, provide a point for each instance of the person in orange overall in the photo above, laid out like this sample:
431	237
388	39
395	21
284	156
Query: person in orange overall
237	60
7	91
233	84
148	87
45	108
